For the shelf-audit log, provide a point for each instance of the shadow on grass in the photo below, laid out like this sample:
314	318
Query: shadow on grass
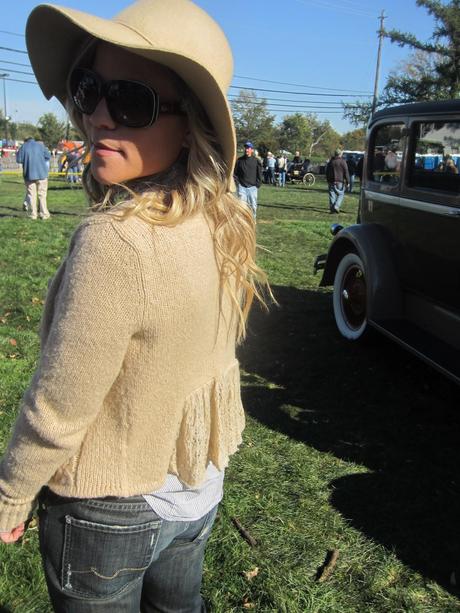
17	213
5	609
293	207
64	187
373	404
319	189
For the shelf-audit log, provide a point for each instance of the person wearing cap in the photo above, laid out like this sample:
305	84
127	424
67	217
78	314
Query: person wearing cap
248	177
129	422
337	178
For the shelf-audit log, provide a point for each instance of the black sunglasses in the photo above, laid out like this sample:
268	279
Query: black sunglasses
130	103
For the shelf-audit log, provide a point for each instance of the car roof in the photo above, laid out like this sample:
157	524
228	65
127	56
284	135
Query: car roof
419	108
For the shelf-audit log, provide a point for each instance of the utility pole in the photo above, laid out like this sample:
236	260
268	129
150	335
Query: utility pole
377	70
3	76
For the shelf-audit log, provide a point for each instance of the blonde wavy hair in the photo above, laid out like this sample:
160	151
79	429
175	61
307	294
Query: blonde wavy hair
198	181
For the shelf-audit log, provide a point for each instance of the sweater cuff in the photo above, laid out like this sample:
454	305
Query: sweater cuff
14	513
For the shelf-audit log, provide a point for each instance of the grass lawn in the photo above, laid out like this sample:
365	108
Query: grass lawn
349	447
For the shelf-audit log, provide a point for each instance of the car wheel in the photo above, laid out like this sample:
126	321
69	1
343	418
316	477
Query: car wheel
350	297
309	179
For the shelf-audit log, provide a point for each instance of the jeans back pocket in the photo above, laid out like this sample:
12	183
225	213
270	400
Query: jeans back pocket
100	561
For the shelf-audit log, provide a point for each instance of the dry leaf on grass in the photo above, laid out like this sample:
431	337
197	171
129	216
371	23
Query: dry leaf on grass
250	574
247	604
13	342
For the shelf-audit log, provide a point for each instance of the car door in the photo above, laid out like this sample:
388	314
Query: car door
384	163
430	203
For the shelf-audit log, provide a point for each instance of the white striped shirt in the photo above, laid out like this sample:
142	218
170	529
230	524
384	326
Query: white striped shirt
174	501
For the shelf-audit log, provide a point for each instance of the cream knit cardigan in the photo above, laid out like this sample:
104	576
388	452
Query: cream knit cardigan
137	374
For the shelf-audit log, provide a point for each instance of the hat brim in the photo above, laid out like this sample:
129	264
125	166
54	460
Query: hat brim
55	35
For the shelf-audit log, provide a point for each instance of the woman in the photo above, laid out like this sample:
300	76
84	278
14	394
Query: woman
135	406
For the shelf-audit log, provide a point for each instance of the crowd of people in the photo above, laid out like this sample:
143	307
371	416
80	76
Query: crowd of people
250	172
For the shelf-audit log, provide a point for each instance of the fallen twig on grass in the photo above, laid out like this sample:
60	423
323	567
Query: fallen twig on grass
244	533
326	569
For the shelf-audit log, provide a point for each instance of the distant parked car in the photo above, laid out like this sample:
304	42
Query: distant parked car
398	269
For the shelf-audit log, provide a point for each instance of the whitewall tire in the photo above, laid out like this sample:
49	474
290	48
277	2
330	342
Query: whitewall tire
350	297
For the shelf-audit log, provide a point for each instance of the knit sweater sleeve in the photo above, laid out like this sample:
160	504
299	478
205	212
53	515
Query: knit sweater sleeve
92	314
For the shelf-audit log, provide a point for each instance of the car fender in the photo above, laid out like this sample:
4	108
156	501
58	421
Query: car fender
373	245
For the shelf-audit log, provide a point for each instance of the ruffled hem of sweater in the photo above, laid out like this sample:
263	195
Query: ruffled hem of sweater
211	427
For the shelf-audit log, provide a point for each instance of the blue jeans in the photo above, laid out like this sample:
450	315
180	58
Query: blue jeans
350	185
249	195
336	194
72	174
282	178
116	555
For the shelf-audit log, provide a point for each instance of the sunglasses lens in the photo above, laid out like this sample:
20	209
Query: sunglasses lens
131	104
85	90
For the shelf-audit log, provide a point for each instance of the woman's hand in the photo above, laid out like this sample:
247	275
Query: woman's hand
14	535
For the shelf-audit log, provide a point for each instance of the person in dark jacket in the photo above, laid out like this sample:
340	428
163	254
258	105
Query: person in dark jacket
337	178
248	177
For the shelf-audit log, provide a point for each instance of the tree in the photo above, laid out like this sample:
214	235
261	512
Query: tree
25	130
4	129
432	71
354	140
444	82
51	129
324	138
414	79
306	133
358	113
252	120
294	132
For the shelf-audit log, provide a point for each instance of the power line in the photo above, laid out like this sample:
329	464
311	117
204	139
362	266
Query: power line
310	111
299	108
235	98
20	81
14	63
11	33
31	74
294	106
280	91
303	106
331	89
13	50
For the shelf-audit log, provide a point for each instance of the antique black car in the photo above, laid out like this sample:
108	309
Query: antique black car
300	173
398	269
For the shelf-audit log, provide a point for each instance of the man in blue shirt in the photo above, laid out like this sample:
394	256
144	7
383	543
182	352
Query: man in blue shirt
34	157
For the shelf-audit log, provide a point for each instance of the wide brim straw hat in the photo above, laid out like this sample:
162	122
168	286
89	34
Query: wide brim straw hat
175	33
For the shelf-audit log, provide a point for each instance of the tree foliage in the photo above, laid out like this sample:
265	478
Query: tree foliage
358	113
252	120
415	79
354	140
294	132
7	128
51	129
431	72
23	129
444	80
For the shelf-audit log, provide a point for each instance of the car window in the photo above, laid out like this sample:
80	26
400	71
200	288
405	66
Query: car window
387	146
435	157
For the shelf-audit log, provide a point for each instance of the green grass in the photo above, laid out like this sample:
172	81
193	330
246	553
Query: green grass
348	446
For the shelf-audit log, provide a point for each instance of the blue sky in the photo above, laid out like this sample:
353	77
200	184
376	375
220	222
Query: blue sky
316	43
